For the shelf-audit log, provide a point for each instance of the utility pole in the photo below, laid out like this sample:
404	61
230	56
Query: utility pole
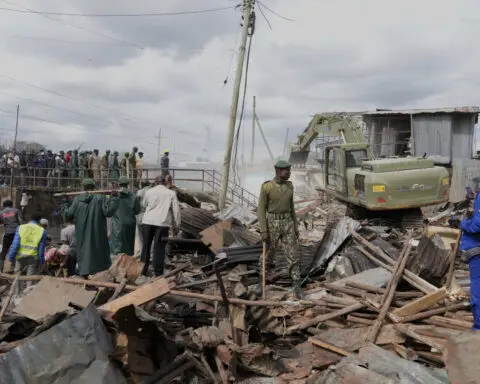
159	143
263	137
286	143
14	153
247	8
253	127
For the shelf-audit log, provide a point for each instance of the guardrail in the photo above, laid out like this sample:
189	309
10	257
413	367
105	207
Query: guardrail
200	180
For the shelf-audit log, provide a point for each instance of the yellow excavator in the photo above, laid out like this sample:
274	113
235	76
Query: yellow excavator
351	174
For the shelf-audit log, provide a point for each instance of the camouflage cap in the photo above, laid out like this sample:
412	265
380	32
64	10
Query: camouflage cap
122	180
282	164
87	182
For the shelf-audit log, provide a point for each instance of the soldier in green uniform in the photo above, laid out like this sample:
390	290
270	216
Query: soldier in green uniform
278	221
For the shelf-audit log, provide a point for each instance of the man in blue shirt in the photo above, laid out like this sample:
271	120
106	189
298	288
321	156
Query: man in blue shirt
28	247
470	252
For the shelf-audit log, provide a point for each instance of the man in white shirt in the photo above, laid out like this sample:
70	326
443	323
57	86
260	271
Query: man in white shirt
162	212
145	186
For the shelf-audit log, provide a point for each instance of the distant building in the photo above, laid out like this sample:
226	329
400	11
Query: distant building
446	135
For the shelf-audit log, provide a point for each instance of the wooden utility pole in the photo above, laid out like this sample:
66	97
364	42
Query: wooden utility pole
14	153
159	143
253	128
247	8
263	137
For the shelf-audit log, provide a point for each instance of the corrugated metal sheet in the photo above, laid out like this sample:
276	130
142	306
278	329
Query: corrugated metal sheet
464	173
424	111
433	135
462	141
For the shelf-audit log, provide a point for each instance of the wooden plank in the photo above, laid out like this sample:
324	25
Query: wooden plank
421	303
212	237
406	330
432	312
352	339
390	291
142	295
449	323
50	296
328	316
409	276
329	347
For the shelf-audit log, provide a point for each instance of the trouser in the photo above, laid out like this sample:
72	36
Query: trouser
72	262
154	234
138	240
7	242
281	229
28	266
474	267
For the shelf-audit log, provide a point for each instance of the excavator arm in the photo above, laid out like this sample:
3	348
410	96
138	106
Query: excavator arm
329	125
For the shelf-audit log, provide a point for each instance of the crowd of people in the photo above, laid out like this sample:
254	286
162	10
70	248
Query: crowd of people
139	224
50	169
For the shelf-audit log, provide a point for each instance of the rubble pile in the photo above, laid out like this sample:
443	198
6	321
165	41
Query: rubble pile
379	305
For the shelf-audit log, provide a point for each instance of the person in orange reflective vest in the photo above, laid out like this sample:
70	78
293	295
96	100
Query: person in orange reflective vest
28	247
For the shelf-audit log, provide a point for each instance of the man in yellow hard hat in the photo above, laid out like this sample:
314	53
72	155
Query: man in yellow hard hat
165	163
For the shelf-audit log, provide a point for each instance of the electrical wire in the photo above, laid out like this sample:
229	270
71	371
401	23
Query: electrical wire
264	16
97	106
149	14
272	11
232	56
92	31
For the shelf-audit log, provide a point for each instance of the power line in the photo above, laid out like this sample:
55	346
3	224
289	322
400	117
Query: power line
149	14
103	108
92	31
89	42
272	11
42	120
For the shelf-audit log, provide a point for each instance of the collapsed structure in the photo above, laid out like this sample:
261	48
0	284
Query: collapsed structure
381	304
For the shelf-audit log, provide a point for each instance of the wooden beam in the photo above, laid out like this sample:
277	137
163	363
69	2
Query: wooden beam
433	312
328	316
390	291
329	347
426	286
421	303
142	295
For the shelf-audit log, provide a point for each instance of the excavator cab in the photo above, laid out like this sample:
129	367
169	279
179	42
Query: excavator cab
339	159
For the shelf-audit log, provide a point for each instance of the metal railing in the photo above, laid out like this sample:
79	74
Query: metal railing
199	180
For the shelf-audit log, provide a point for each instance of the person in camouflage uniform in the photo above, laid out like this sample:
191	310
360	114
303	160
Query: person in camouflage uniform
278	221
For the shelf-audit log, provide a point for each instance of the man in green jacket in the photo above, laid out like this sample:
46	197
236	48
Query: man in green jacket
123	222
90	212
278	221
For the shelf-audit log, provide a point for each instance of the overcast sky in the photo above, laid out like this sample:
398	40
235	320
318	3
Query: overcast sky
113	82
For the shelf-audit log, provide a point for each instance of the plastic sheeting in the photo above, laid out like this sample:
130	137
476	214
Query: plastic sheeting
237	212
75	351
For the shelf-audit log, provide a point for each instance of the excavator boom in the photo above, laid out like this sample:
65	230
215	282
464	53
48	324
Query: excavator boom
329	125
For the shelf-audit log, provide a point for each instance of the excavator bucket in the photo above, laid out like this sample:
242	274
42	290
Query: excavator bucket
298	158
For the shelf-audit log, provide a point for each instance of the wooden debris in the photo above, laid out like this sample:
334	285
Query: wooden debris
6	303
390	291
142	295
421	303
330	347
51	296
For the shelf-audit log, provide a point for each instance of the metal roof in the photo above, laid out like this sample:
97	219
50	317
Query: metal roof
471	110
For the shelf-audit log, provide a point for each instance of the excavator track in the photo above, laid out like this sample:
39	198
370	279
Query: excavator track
403	218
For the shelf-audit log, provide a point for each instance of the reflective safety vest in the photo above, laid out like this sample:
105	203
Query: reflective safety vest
30	236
